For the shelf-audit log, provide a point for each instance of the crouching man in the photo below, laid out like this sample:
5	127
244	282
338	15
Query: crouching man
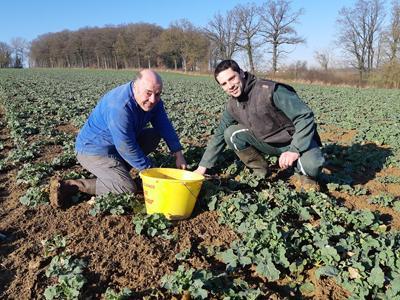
264	117
115	139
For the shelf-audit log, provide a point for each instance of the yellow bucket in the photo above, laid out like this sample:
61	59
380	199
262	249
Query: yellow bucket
172	192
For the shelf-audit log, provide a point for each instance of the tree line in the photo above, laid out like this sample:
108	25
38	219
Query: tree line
182	45
367	40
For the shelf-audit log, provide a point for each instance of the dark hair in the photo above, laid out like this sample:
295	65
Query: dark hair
224	65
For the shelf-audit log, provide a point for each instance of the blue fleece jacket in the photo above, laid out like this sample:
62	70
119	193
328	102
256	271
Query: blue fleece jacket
115	123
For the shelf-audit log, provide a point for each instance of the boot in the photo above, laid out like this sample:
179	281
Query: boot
254	160
305	183
62	190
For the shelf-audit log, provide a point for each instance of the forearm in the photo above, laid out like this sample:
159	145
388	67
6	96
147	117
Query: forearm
304	133
135	157
217	142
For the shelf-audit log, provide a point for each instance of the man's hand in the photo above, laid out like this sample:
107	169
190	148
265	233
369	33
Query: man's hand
180	160
287	159
200	170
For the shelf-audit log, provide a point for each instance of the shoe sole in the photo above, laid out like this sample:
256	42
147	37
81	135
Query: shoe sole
54	193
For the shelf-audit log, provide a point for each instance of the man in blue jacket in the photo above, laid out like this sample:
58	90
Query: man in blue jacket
115	139
265	117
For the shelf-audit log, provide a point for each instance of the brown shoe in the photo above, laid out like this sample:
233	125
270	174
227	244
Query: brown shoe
61	191
254	160
304	183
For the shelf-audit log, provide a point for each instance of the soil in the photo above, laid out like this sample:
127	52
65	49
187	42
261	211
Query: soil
116	255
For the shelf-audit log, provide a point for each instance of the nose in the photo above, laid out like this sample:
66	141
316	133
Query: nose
153	98
230	85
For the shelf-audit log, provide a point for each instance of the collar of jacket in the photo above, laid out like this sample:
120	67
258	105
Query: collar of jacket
248	82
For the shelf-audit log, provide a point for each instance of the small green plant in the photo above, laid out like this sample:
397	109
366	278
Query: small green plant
54	244
201	284
111	294
386	200
191	281
389	179
68	287
116	204
33	174
64	264
68	273
35	196
152	225
75	175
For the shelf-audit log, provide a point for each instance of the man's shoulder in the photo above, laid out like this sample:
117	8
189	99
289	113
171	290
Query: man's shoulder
273	85
264	83
123	89
118	97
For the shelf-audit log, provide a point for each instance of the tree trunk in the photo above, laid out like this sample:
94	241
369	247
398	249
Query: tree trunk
68	62
105	63
250	55
274	57
184	64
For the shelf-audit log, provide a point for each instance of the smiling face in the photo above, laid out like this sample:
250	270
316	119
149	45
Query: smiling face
147	89
230	82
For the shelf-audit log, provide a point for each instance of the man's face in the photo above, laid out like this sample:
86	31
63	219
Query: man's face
147	93
230	82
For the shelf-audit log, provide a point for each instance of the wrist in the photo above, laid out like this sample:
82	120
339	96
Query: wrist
177	153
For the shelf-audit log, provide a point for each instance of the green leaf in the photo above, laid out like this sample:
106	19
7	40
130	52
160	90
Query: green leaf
304	215
394	287
199	293
268	270
377	277
326	271
229	258
396	205
245	260
51	292
307	288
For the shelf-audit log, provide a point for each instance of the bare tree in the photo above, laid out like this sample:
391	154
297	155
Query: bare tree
170	46
194	44
393	35
247	21
20	47
5	55
323	58
121	50
221	30
375	19
359	26
277	27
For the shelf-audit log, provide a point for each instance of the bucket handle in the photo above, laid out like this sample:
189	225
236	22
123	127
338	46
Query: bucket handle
190	191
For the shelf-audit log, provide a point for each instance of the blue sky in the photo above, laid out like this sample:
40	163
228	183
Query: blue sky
29	19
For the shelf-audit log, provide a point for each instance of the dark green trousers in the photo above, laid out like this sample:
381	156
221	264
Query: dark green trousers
310	163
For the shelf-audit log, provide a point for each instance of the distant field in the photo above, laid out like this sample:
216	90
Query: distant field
246	239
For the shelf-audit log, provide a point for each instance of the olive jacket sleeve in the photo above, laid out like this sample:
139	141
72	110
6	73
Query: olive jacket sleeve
217	143
301	116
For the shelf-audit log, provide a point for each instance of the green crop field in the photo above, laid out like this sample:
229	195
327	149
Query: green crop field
247	238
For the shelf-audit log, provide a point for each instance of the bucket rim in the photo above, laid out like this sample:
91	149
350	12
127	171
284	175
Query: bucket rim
142	174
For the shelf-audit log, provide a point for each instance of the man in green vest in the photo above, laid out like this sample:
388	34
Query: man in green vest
265	117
